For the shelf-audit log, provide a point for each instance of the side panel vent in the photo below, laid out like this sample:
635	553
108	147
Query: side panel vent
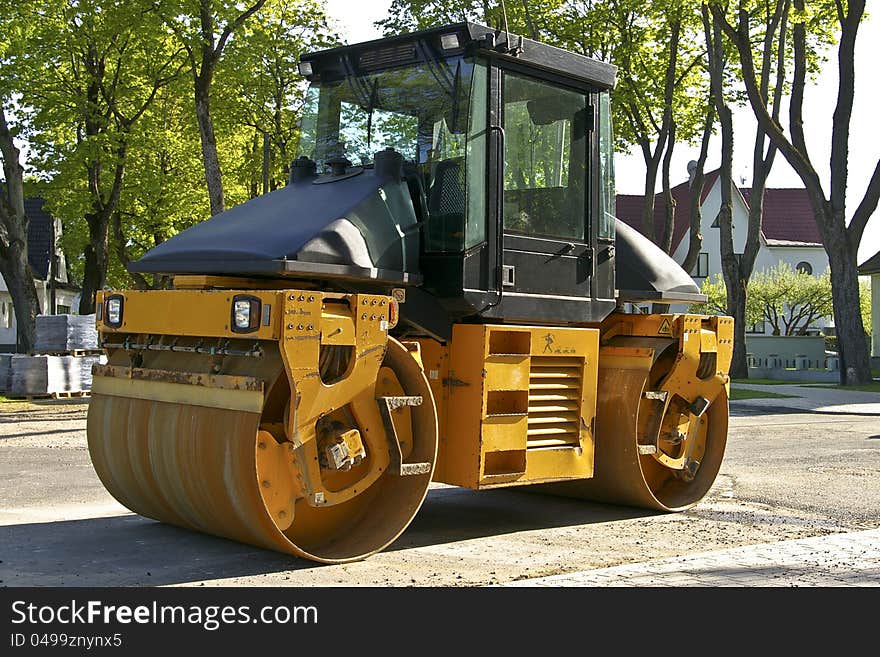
554	401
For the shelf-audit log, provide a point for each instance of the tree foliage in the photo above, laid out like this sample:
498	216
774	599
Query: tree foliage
87	75
788	301
104	92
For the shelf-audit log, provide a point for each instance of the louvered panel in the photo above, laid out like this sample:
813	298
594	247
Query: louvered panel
554	402
379	58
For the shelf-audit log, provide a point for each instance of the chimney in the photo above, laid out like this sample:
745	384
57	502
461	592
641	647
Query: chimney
692	169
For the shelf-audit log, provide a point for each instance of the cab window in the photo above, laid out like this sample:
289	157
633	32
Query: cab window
545	155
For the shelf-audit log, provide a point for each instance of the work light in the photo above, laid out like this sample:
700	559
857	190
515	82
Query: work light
113	314
245	313
449	41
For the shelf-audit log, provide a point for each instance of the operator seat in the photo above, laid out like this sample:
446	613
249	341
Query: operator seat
446	206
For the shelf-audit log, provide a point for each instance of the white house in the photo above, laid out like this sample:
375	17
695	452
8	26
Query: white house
871	267
788	232
50	273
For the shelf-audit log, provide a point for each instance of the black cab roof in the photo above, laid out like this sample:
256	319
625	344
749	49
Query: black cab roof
457	39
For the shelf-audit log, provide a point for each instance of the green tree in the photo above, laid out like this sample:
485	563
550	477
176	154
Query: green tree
164	191
789	301
14	266
263	88
87	74
204	28
769	38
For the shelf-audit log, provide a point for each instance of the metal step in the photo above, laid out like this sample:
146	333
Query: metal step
394	403
397	466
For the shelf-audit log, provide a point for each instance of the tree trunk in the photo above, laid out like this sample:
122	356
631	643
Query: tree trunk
96	256
852	341
213	175
695	244
669	200
648	229
734	281
14	264
736	307
96	252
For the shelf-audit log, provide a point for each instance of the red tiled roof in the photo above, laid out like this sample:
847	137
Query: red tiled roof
629	209
788	215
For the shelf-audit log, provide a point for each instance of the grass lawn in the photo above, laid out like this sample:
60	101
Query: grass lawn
767	382
743	393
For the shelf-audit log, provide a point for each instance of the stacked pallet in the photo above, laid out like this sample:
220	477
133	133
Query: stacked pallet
65	350
35	376
86	363
60	334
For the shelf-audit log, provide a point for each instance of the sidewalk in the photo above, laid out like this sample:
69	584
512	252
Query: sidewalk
810	398
838	560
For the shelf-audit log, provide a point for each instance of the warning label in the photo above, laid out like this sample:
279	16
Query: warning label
665	327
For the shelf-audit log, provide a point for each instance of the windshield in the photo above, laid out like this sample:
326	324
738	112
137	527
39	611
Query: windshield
432	112
420	110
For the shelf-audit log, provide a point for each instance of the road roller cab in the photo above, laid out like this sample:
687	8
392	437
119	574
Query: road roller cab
437	294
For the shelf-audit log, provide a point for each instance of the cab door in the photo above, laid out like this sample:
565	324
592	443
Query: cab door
545	190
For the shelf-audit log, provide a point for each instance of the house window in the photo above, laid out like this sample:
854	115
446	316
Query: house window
702	268
5	315
804	267
717	222
62	310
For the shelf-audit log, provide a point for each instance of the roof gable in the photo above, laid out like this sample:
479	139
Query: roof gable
871	265
788	215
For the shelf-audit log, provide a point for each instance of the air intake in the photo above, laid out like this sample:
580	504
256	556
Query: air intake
384	57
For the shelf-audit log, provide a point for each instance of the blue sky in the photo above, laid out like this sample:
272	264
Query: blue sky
355	22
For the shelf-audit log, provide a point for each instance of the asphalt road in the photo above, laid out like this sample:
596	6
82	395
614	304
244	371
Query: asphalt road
785	476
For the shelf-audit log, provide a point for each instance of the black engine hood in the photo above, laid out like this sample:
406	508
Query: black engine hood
644	272
355	226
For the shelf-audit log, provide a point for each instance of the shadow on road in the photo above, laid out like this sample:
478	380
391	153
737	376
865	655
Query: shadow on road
131	550
125	551
459	514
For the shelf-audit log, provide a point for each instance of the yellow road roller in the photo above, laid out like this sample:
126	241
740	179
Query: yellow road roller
441	292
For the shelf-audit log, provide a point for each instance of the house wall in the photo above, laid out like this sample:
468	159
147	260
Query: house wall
875	316
712	236
8	326
770	256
